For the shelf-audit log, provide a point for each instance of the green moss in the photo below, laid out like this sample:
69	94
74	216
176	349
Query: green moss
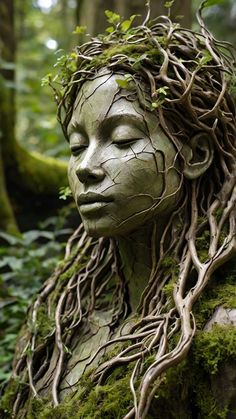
129	50
44	324
220	292
69	272
9	396
111	401
207	404
202	245
134	52
185	388
172	400
211	350
39	174
214	346
35	407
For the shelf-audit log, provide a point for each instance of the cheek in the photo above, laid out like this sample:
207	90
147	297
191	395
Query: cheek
72	177
137	173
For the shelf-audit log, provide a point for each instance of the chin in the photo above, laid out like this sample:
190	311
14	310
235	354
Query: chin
96	230
110	231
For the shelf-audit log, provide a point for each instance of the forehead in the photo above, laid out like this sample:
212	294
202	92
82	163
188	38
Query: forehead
102	98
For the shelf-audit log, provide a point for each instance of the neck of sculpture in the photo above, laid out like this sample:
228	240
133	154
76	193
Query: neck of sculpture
136	253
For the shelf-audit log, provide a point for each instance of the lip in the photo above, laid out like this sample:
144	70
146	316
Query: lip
90	198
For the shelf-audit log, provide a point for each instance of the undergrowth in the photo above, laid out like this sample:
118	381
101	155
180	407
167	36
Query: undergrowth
25	263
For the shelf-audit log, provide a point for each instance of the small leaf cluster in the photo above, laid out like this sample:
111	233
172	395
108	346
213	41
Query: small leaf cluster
160	95
65	193
117	23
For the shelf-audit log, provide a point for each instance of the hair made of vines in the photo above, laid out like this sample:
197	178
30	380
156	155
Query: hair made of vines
187	75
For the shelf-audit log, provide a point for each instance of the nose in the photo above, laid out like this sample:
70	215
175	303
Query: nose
90	170
90	174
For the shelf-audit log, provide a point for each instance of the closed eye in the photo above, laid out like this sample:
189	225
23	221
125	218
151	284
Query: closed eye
125	142
77	149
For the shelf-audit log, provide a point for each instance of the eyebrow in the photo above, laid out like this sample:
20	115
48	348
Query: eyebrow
115	120
75	126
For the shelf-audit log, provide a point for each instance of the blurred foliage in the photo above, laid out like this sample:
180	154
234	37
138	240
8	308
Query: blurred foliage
25	263
40	32
220	18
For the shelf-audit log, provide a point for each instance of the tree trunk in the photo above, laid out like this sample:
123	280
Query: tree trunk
7	218
91	12
23	172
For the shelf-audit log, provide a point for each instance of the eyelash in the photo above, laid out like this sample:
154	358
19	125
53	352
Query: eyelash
125	143
76	150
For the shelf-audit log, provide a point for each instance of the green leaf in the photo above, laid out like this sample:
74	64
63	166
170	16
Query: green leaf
11	261
162	91
155	105
169	4
80	30
205	58
210	3
13	240
46	80
126	25
110	29
125	83
7	65
65	192
112	17
33	235
122	83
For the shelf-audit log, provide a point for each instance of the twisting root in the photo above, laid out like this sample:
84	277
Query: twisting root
194	73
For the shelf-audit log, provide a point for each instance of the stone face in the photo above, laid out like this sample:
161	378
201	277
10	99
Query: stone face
222	316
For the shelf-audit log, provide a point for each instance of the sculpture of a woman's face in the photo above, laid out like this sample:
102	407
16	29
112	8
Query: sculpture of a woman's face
122	171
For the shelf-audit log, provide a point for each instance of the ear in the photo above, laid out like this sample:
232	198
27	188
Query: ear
198	155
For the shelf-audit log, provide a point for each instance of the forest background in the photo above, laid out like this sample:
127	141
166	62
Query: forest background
37	214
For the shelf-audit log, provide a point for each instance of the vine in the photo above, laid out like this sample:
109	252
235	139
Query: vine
173	72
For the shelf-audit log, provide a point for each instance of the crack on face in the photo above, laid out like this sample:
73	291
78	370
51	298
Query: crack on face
125	158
